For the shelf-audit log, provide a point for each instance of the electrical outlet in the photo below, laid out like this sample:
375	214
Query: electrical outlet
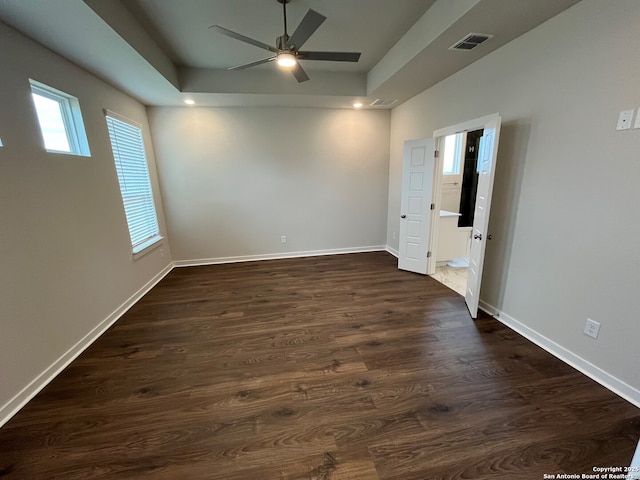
591	328
283	239
624	120
393	235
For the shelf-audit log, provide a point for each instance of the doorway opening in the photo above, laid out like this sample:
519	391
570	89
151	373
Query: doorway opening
457	198
420	201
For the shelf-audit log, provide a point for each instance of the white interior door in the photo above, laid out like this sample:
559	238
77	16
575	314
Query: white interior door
418	169
486	170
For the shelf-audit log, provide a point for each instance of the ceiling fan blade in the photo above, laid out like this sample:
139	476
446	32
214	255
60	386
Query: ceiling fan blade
252	64
299	73
309	24
242	38
330	56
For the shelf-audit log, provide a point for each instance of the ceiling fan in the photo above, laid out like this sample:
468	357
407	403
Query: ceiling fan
287	50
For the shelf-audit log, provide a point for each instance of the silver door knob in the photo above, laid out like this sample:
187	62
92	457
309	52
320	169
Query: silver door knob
403	216
477	237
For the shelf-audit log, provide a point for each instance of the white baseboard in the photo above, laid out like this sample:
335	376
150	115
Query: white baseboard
12	407
605	379
276	256
392	251
489	309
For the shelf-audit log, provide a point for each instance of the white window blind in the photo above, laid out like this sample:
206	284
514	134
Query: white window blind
135	185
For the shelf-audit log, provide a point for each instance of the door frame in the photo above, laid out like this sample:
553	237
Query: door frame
439	134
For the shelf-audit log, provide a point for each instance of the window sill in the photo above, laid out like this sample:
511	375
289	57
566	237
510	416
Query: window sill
146	247
72	153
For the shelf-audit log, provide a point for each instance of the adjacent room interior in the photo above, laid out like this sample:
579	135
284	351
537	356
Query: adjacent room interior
457	205
200	245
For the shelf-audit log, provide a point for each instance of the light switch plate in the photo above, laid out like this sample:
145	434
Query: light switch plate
624	119
637	124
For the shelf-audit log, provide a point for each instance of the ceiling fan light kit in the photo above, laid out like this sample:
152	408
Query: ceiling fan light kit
287	50
286	60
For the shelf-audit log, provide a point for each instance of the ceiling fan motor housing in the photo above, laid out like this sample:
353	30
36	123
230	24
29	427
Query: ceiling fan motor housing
281	42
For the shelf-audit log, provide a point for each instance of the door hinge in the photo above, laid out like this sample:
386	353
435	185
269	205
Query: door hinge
433	206
436	154
428	254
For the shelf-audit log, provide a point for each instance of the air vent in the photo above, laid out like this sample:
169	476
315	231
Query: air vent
380	102
470	41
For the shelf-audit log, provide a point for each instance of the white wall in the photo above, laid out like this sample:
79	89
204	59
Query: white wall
235	180
65	252
450	195
565	218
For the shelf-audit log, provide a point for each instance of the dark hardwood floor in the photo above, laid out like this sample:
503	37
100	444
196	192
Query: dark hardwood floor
321	368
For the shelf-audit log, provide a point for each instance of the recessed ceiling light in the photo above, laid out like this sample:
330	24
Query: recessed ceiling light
190	101
286	60
357	104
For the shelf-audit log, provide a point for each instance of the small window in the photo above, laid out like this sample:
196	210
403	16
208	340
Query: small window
135	186
60	120
452	154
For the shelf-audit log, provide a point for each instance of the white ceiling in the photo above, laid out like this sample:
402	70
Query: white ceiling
184	35
162	51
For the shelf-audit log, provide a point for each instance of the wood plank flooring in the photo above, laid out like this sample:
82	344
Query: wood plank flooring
321	368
